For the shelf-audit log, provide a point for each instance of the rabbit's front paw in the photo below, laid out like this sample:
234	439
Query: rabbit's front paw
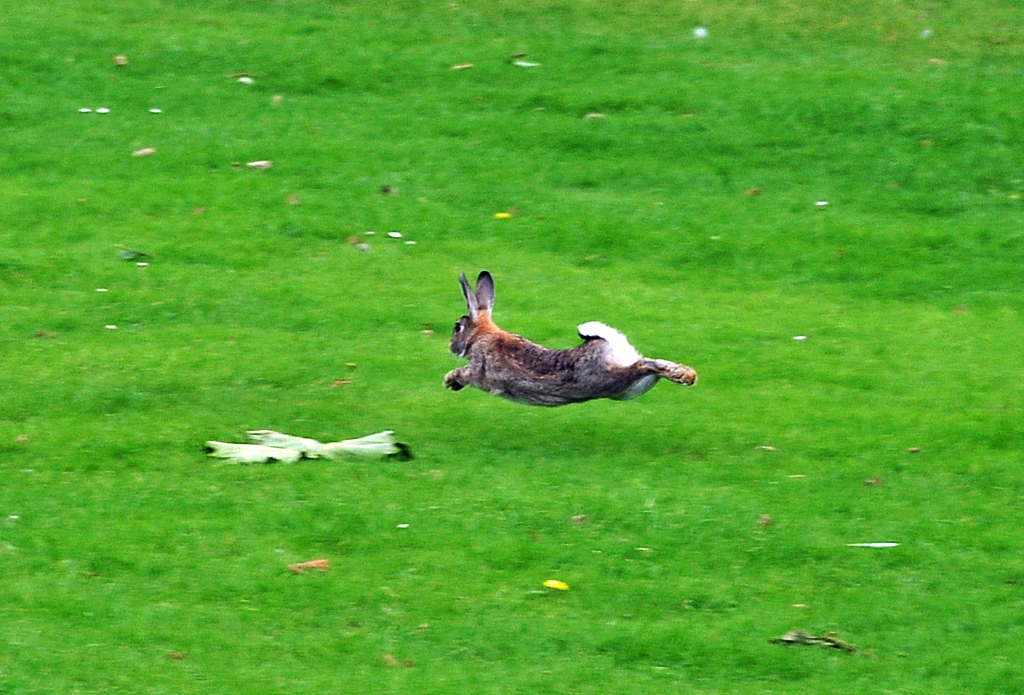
451	380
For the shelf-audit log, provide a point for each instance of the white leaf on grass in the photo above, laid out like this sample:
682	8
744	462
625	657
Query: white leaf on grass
270	446
251	453
373	445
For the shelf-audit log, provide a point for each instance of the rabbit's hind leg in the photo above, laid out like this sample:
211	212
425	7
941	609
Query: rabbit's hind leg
679	373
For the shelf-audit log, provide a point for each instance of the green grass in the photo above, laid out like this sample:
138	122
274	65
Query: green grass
122	545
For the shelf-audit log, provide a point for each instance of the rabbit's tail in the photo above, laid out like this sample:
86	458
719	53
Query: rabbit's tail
623	354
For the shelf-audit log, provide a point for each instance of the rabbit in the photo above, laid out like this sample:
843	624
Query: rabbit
509	365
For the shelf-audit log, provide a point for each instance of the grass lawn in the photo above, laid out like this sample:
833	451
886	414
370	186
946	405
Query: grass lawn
817	207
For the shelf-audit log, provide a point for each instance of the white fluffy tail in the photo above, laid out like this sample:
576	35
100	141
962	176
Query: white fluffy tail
623	354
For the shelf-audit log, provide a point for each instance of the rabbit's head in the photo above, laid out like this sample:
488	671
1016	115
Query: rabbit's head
478	312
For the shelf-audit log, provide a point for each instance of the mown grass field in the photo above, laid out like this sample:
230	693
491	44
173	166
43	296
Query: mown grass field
693	526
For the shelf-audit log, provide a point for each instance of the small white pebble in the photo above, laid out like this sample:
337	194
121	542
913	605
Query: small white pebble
142	264
410	243
14	517
403	526
155	111
261	164
111	327
84	110
799	337
926	34
101	289
822	203
102	110
246	80
395	235
700	33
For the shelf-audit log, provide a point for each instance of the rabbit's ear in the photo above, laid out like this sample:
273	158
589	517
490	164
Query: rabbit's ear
484	291
467	292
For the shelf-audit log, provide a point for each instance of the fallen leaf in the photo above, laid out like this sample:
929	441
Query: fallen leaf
340	382
462	66
126	254
765	447
300	567
752	191
936	61
120	60
595	114
390	660
176	656
913	450
580	519
765	521
870	482
799	637
144	152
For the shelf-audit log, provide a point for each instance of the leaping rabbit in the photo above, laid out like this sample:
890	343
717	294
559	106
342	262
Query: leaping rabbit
509	365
